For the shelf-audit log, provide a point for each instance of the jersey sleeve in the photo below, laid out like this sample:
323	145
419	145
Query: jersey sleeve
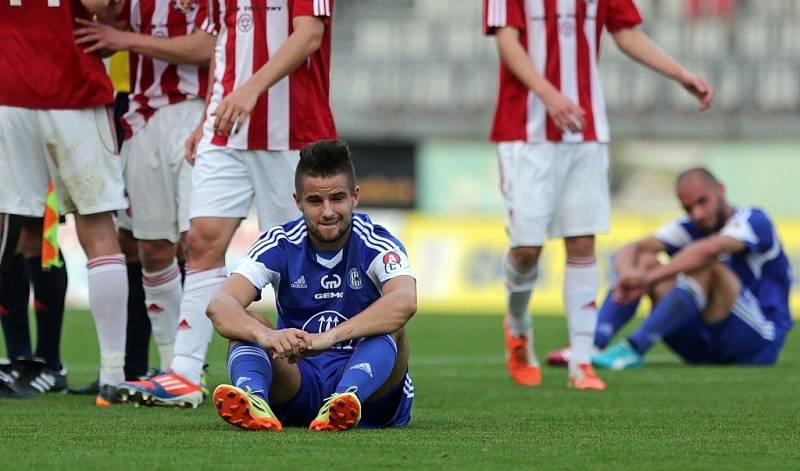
752	228
674	236
389	264
622	14
501	13
210	22
263	263
320	8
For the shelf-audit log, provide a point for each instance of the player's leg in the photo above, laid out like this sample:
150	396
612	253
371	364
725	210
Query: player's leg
162	290
14	292
583	210
137	332
81	158
529	194
50	289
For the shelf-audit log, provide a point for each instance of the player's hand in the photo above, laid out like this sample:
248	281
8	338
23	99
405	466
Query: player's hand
98	36
286	344
319	343
190	146
565	114
231	113
630	286
697	86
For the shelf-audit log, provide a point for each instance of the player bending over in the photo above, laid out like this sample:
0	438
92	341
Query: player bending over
723	297
338	356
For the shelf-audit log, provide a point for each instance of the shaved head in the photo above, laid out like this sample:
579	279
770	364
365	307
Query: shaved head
702	196
696	172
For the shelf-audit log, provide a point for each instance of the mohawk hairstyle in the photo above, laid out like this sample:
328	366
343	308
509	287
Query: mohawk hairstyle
325	158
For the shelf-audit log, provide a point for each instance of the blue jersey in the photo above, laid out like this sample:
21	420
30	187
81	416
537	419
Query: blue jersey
316	293
762	267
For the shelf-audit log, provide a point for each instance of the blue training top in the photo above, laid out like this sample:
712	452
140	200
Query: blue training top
762	266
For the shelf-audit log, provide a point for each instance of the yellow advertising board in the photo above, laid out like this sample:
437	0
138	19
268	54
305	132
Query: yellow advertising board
457	261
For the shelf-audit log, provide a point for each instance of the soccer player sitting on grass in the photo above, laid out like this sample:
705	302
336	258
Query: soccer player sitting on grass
344	292
723	297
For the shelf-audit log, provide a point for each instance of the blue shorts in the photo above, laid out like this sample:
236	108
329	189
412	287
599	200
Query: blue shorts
746	336
319	377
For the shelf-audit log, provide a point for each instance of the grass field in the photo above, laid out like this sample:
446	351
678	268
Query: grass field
467	414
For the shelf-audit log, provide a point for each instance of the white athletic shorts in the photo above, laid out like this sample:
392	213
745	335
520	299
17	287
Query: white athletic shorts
553	190
157	177
225	181
77	148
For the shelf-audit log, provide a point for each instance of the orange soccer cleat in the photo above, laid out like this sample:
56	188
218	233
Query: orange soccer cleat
586	379
244	409
341	411
520	360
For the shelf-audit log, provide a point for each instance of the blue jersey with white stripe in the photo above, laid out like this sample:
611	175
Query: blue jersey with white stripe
316	293
762	266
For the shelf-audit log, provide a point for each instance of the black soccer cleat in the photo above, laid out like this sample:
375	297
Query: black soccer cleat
9	389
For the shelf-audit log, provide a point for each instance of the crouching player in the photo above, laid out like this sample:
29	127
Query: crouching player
338	356
723	297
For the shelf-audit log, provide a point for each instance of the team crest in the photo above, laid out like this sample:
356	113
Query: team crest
391	262
354	279
245	22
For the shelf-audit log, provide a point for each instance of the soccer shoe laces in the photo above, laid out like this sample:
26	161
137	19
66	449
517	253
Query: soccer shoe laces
325	410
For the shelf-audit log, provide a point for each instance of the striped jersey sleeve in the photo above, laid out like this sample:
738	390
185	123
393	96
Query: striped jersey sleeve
318	8
384	256
751	227
622	14
266	259
675	235
210	21
500	13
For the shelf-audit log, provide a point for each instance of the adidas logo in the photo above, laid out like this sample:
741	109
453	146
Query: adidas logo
241	380
365	367
184	325
299	283
154	308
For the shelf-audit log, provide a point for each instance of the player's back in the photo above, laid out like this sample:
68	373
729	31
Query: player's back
41	65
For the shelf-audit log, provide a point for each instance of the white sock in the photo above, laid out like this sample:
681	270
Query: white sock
580	292
194	328
518	291
162	295
108	296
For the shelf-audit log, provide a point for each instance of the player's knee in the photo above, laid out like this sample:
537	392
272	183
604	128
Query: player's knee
519	279
204	246
156	254
30	239
579	246
523	259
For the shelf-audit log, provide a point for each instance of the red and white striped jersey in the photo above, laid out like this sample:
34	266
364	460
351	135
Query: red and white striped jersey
562	38
40	64
157	83
295	110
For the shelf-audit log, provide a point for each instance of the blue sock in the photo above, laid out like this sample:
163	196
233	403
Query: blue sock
370	366
610	319
249	367
679	306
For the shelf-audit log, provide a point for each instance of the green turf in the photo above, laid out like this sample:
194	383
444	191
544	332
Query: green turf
467	414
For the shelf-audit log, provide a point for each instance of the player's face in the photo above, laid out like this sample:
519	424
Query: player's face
703	201
327	205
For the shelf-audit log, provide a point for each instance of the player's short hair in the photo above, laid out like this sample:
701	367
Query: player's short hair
702	171
325	158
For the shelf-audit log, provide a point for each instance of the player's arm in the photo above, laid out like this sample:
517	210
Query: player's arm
387	314
304	41
565	113
640	48
695	256
629	284
227	312
195	48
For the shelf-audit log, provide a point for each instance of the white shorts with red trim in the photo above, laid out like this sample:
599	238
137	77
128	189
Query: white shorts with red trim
77	148
157	177
554	190
226	181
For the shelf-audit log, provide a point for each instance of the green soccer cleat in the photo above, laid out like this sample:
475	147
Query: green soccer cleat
341	411
241	408
620	356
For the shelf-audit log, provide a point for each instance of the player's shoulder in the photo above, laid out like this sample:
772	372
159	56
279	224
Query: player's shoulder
754	219
279	239
374	237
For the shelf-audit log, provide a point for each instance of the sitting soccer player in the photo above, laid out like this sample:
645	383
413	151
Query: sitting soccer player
344	293
723	297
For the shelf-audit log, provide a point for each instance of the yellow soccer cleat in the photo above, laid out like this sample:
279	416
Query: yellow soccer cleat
244	409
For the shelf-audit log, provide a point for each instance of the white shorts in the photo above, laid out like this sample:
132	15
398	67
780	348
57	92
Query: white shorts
76	148
225	181
553	190
157	177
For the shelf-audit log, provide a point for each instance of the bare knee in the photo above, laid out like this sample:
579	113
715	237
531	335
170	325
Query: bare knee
524	259
97	234
207	240
156	254
579	246
128	245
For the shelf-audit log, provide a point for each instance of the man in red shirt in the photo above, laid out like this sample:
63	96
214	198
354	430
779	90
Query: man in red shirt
552	136
269	98
54	123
